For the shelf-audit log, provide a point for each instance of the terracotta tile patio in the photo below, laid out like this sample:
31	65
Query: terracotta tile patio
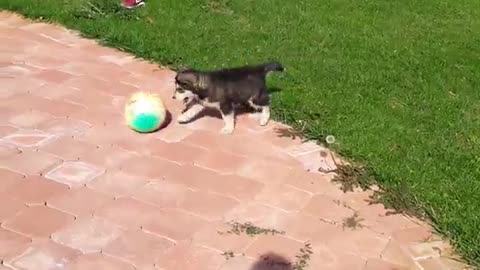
79	190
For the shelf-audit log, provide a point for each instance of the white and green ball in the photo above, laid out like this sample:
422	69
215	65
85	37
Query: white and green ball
145	112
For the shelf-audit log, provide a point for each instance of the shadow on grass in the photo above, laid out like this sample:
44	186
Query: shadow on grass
273	90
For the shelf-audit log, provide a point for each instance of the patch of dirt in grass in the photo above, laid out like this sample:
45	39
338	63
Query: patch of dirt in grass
218	6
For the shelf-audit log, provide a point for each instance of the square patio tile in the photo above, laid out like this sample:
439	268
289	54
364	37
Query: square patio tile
74	173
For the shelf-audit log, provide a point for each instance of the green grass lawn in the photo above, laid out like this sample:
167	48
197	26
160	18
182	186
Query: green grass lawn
396	82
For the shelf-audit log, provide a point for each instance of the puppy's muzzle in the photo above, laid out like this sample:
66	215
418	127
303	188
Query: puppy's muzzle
184	100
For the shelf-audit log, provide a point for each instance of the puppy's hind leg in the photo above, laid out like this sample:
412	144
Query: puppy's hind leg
228	115
190	113
262	103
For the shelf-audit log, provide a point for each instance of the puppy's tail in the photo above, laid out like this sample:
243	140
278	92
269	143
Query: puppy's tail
272	66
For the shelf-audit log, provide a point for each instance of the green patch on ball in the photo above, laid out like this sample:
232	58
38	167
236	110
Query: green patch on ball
145	112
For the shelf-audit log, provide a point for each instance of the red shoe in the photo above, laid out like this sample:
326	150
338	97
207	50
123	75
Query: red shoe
132	3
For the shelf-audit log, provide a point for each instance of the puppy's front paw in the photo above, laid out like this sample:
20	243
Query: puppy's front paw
183	118
264	116
264	121
226	130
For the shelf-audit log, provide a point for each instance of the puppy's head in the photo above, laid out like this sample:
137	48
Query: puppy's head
186	85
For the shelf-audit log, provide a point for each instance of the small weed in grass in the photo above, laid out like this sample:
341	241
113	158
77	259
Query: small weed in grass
351	177
353	222
396	199
228	255
93	10
303	257
249	229
290	133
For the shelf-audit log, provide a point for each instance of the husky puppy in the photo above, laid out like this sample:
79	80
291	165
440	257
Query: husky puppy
224	90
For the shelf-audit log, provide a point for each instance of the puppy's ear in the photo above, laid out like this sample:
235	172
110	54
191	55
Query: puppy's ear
184	68
188	77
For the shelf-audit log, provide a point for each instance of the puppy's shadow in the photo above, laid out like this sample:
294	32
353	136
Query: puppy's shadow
272	261
214	113
207	112
274	90
239	109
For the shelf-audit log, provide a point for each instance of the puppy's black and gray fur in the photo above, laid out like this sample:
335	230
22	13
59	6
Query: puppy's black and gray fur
224	89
